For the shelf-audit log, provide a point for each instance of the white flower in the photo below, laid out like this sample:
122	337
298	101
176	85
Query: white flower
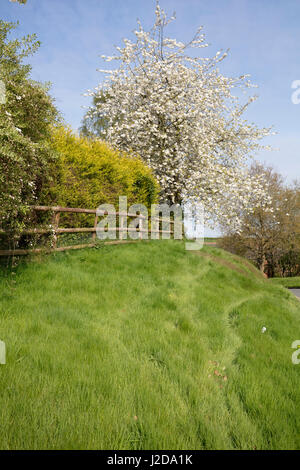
183	118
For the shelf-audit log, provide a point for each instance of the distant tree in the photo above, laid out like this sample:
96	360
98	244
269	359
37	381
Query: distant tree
270	235
19	1
27	114
289	262
95	124
178	112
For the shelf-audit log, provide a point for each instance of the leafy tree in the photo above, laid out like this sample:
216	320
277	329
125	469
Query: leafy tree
289	263
27	114
270	235
94	125
179	113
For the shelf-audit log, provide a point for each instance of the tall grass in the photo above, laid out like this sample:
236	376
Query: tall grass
287	281
146	346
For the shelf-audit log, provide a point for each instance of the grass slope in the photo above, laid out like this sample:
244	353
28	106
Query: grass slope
147	346
287	281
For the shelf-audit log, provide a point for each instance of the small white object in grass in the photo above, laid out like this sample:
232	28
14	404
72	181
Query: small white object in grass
263	329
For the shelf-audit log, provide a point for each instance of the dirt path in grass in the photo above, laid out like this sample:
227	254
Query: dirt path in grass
230	265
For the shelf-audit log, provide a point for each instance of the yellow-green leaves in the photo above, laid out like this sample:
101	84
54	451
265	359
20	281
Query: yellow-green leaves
88	172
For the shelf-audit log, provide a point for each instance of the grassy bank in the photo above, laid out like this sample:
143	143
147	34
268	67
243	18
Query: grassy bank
287	281
147	346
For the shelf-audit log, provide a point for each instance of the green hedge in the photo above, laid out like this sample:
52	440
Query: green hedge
88	172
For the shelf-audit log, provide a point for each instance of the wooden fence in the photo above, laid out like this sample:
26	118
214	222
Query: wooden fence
55	230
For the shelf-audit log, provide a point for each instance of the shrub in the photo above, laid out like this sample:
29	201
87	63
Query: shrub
88	172
27	115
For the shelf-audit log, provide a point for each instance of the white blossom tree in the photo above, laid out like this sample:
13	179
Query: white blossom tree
179	113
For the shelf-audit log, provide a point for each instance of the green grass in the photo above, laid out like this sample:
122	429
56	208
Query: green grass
212	239
286	281
147	346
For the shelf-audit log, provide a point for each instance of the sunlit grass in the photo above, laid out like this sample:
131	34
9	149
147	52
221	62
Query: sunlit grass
286	281
146	346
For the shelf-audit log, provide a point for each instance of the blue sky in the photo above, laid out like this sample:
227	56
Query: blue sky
263	37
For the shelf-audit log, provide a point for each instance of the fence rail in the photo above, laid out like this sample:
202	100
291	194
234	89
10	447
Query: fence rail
55	230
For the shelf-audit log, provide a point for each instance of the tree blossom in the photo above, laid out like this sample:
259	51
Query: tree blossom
179	113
